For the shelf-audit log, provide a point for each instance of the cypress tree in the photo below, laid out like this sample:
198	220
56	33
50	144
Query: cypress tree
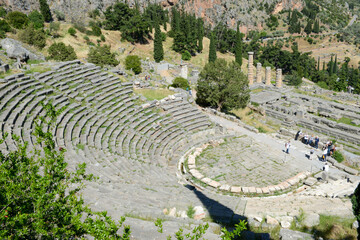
335	67
318	65
200	27
212	50
45	11
316	28
238	47
158	47
308	27
323	68
330	66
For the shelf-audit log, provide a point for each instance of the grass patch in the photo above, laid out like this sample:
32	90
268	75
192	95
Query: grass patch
154	94
334	227
39	69
80	146
190	212
254	119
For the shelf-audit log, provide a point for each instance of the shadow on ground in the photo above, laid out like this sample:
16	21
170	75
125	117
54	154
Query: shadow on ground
225	216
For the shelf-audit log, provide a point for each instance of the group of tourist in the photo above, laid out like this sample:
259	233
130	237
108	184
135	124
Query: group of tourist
328	148
147	77
307	139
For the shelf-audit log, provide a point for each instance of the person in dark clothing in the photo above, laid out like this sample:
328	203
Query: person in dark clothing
297	135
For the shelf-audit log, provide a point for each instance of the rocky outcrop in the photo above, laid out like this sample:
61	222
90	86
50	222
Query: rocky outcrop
15	49
250	14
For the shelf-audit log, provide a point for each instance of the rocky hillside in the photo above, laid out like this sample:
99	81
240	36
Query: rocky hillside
250	13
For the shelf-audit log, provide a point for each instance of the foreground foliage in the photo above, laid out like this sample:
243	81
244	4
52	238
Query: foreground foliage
101	55
39	197
223	86
355	200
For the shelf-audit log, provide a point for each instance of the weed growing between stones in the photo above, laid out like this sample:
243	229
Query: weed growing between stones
190	211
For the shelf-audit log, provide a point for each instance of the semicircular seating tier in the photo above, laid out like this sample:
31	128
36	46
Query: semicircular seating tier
132	146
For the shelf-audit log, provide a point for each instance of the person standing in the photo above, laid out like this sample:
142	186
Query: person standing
325	153
317	142
298	135
287	147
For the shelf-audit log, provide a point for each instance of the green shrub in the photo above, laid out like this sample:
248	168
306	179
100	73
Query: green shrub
163	36
72	31
61	52
80	27
190	211
102	38
322	84
338	156
180	82
133	62
94	13
36	19
54	28
101	55
2	34
17	19
59	15
45	10
2	12
186	56
4	26
96	31
33	37
293	79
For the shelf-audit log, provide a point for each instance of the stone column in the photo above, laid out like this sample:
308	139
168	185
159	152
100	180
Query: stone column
278	78
258	73
250	68
268	76
184	71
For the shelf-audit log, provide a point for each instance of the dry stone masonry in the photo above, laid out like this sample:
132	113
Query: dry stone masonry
250	68
258	73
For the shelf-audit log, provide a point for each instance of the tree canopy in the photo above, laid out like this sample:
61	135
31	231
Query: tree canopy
45	202
223	85
101	55
61	52
45	10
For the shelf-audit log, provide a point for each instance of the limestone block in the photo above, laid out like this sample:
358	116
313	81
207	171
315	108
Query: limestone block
287	234
245	189
258	190
199	212
225	187
191	166
265	190
310	181
252	190
271	221
272	188
191	160
214	184
285	224
235	189
206	180
311	220
196	173
172	212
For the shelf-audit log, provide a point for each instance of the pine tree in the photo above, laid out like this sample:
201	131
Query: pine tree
45	11
200	32
158	47
238	47
308	27
212	50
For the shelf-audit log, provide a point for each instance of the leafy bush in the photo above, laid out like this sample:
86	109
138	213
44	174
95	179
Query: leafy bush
294	79
101	55
94	13
102	38
4	26
96	30
190	211
72	31
54	28
61	52
59	15
80	27
86	38
36	19
180	82
186	55
133	62
338	156
33	37
322	85
2	12
17	19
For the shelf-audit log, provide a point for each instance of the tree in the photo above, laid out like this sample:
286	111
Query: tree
17	19
101	55
316	28
212	50
117	15
180	82
308	28
37	19
61	52
223	85
136	29
33	37
294	79
40	198
238	48
45	11
72	31
200	32
133	62
355	200
158	47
